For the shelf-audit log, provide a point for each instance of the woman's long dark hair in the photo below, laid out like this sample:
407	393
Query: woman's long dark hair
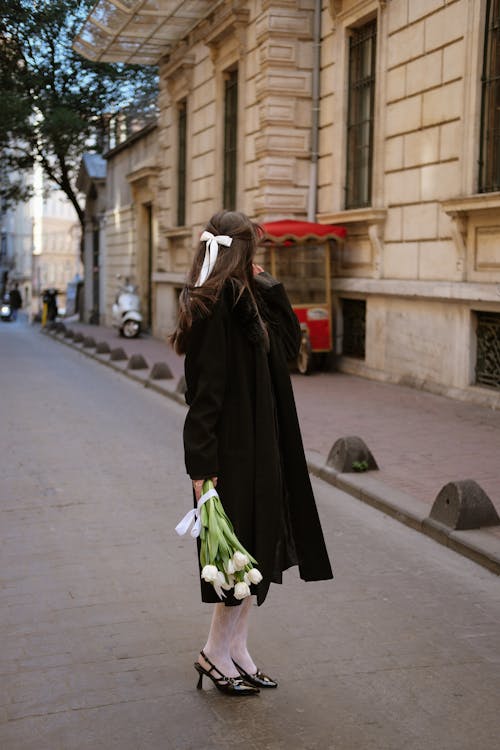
234	264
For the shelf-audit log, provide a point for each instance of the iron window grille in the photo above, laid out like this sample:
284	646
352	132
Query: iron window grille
181	163
489	159
488	349
354	335
361	105
230	138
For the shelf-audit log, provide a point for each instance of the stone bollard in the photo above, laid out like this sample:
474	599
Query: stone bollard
464	505
349	454
102	347
137	362
161	371
118	355
89	342
78	337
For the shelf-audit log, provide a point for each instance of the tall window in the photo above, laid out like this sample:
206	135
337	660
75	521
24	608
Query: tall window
181	163
230	138
362	45
489	159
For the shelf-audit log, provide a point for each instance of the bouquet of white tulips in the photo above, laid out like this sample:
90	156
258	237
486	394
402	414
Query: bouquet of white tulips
225	563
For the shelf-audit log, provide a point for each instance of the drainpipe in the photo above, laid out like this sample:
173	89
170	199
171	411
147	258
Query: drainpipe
313	171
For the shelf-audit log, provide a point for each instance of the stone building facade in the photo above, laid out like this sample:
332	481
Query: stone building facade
406	159
130	219
120	191
40	243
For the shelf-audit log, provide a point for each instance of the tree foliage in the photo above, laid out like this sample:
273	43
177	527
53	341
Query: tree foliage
54	103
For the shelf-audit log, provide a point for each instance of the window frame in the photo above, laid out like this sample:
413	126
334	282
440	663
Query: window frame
182	124
230	138
359	175
489	138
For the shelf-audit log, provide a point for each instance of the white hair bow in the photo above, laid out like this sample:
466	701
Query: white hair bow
211	253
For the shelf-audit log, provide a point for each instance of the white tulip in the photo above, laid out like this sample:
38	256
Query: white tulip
255	575
240	560
220	578
209	573
230	567
241	590
246	579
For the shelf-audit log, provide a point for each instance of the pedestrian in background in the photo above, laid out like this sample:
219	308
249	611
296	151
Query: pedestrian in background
238	332
16	301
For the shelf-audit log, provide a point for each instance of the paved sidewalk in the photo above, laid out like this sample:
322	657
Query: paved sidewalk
420	440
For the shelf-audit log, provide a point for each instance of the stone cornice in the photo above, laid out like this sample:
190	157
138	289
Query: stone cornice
448	291
471	203
355	215
144	172
180	61
226	19
338	12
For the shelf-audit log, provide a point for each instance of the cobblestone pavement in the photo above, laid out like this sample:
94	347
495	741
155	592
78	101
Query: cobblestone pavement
421	441
100	614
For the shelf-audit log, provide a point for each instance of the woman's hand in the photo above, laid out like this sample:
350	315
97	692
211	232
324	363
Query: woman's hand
198	486
257	269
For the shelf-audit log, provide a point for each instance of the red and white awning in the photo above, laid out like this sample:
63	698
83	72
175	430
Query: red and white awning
292	231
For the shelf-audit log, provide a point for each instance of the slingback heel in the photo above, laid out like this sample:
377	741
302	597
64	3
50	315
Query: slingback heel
259	679
227	685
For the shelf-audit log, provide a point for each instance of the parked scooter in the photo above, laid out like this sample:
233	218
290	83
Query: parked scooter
127	310
6	309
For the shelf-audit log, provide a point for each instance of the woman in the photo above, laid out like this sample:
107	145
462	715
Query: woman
238	331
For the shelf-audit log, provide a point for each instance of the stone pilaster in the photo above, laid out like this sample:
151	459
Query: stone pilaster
283	93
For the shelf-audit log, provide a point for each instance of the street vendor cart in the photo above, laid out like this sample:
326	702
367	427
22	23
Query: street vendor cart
298	253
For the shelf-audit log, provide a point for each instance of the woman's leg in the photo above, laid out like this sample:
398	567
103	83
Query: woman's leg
239	645
218	645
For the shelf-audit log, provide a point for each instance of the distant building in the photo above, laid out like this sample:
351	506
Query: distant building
407	158
40	243
120	191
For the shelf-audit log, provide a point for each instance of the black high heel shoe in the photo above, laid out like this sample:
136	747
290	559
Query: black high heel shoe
228	685
259	679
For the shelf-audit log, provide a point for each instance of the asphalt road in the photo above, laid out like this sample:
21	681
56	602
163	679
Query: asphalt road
100	615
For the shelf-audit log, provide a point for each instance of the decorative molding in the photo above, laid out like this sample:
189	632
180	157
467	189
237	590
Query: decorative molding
178	75
180	61
459	236
375	234
284	23
226	20
144	172
355	215
178	232
365	228
461	210
468	204
338	12
448	291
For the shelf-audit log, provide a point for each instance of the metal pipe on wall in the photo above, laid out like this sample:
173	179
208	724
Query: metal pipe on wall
313	170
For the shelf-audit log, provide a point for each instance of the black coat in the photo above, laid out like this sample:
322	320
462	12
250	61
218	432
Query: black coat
242	427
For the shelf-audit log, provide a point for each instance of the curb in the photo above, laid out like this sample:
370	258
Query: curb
118	366
477	545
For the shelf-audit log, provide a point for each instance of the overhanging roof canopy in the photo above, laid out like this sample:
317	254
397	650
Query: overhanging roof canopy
138	31
291	231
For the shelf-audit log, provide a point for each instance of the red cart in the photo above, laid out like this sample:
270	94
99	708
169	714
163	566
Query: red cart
298	253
